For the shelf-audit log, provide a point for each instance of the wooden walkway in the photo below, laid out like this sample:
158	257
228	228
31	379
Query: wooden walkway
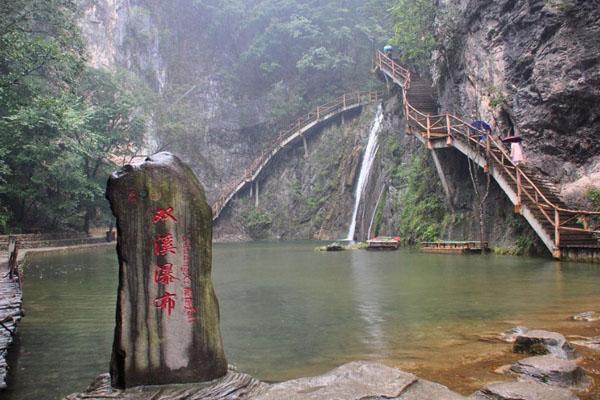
565	232
290	136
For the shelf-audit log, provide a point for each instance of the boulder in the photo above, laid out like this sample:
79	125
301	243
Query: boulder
588	316
539	342
552	371
528	390
167	323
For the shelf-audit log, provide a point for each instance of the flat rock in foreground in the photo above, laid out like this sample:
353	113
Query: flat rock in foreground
552	371
234	385
523	391
539	342
352	381
360	380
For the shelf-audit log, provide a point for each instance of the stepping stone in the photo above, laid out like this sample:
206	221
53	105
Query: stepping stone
510	335
523	391
539	342
593	343
552	371
588	316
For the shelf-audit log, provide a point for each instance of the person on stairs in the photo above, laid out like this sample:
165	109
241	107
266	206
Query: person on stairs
482	128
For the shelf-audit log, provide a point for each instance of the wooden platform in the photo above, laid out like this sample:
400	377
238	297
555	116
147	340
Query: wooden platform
383	243
454	247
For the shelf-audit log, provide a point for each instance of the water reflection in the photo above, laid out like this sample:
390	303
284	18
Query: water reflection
368	289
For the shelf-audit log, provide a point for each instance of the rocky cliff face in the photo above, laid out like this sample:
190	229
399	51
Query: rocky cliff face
530	67
304	194
166	44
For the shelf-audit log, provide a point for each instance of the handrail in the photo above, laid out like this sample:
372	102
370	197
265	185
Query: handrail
321	113
493	151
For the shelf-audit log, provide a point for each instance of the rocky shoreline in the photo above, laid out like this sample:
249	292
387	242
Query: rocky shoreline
547	367
11	301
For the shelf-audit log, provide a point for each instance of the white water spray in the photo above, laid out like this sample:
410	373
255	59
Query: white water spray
365	169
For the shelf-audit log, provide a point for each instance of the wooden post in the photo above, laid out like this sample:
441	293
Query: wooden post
13	251
429	144
487	152
518	207
449	139
557	229
344	100
318	114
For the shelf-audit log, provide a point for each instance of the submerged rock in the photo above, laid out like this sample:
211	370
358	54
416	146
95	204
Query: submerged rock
552	371
588	316
539	342
528	390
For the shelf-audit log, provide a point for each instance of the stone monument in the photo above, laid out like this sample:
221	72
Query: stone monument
167	320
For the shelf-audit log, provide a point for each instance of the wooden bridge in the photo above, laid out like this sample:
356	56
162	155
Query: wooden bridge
294	133
566	233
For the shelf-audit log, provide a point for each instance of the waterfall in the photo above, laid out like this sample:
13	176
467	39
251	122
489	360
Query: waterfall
365	169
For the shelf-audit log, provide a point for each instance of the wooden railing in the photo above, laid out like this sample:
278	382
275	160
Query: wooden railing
295	130
450	127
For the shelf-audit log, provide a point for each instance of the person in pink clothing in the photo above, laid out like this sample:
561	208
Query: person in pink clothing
516	153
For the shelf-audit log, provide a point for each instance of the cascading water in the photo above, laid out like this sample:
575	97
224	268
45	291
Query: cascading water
365	169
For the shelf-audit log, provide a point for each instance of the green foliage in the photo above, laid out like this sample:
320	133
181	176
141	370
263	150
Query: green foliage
593	195
257	223
497	98
378	218
423	209
563	6
414	30
61	125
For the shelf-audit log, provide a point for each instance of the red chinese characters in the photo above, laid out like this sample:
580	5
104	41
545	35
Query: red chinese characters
164	245
166	302
163	274
132	197
163	214
188	292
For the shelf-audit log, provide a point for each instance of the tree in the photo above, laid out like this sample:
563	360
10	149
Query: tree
112	132
61	125
414	31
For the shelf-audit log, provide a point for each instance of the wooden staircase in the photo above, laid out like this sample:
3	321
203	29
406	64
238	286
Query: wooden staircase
291	136
567	233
